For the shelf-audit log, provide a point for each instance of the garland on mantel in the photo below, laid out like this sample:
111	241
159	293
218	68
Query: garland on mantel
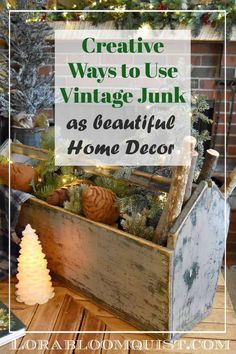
194	20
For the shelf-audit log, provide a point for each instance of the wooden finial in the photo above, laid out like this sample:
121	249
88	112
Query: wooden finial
209	165
190	143
230	184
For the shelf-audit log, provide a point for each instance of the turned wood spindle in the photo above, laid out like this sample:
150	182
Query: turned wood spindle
209	165
175	196
230	184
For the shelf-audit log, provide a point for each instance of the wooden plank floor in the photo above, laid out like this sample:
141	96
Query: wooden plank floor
71	311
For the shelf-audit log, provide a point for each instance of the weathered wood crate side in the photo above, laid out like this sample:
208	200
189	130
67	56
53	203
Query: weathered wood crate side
124	273
198	239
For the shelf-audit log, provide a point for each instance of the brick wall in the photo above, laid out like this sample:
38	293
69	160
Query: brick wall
231	241
207	68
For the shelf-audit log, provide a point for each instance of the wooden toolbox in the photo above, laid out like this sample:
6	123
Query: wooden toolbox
165	290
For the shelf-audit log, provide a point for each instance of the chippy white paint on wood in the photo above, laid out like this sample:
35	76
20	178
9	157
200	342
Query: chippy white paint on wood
198	252
125	273
152	287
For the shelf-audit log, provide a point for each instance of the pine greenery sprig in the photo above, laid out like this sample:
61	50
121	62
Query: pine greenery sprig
160	20
75	199
43	190
119	187
140	213
48	139
134	20
199	107
47	166
51	177
48	179
137	225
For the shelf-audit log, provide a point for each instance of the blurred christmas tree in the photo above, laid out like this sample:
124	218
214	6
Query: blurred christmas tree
30	90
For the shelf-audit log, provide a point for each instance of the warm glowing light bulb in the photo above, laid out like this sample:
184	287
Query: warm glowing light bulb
144	29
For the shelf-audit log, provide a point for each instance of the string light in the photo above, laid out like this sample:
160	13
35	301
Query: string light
144	29
120	8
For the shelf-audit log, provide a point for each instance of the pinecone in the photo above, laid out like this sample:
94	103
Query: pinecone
21	176
61	195
99	205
